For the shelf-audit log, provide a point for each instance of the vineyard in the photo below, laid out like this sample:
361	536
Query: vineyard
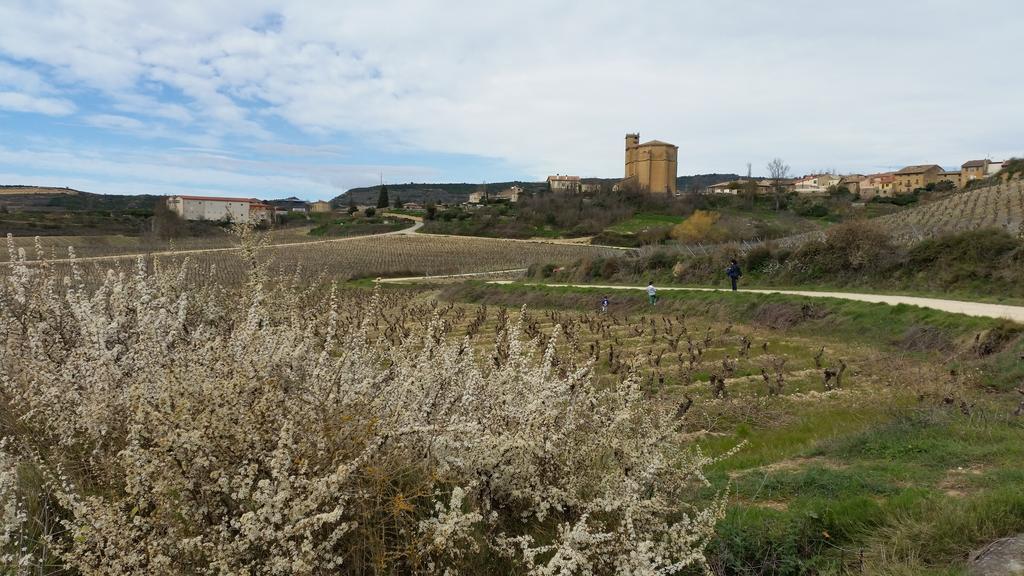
349	258
1000	206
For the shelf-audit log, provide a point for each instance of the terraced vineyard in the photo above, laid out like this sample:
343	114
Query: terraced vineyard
1000	206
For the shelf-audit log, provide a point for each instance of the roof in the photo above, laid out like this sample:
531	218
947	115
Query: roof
216	198
564	178
974	164
919	169
658	143
950	173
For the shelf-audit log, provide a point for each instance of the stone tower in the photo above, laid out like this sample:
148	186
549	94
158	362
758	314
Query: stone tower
652	164
632	142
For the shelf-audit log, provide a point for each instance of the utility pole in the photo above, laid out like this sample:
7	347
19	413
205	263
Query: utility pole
748	171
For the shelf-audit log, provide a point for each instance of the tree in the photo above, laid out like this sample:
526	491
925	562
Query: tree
370	211
165	223
748	191
398	202
382	199
778	171
431	211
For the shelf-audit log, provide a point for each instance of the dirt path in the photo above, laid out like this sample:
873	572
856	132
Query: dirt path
979	309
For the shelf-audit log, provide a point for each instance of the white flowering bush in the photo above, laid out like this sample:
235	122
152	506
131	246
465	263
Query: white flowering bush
153	427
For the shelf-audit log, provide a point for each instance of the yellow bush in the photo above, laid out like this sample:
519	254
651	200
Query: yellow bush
700	226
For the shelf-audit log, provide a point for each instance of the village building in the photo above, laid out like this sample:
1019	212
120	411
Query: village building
815	183
917	176
973	170
591	185
953	177
994	167
212	208
510	194
320	206
852	182
651	165
291	204
737	186
559	183
874	185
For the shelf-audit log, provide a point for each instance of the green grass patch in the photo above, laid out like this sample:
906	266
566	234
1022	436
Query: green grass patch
644	221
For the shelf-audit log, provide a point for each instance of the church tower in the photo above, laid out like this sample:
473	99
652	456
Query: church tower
651	165
632	143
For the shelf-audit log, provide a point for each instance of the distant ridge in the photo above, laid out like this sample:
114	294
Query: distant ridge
454	193
21	189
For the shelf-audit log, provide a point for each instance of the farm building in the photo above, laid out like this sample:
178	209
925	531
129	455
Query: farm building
291	204
510	194
241	210
737	186
559	183
320	206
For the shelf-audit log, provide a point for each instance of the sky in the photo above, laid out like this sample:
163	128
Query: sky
275	98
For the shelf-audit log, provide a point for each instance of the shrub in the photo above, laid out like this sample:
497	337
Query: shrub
857	246
700	226
370	211
758	257
178	429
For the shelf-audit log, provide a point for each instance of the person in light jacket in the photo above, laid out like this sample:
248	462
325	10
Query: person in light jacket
652	293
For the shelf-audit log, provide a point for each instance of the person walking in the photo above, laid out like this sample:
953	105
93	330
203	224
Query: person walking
733	272
604	304
652	293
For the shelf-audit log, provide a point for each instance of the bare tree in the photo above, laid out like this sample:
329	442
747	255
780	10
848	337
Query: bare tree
779	173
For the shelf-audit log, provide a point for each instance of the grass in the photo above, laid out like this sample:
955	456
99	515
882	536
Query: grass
845	320
644	221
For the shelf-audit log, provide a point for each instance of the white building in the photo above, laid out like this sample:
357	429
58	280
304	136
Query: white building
241	210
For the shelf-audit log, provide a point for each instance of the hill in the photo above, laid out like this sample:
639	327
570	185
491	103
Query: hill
52	199
701	181
20	190
440	193
999	206
457	193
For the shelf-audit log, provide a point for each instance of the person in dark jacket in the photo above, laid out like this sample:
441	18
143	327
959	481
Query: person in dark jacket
733	272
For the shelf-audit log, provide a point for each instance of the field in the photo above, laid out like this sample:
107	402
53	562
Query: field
352	258
243	396
1000	206
113	245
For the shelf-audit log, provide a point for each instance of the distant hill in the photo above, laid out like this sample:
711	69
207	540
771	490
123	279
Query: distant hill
701	181
48	198
20	190
455	193
452	193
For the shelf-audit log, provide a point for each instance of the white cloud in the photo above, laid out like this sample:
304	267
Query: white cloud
114	121
552	87
19	102
114	170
